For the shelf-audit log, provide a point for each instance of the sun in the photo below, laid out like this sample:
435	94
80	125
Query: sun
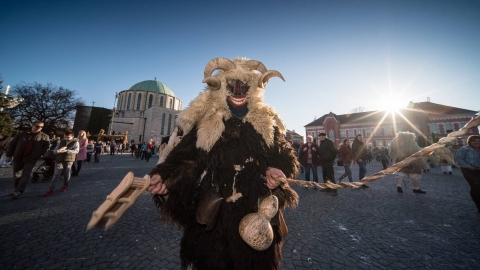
392	103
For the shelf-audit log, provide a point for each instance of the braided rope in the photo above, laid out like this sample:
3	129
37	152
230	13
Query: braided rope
474	122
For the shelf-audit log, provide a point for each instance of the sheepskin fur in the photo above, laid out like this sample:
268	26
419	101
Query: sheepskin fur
443	156
404	145
210	109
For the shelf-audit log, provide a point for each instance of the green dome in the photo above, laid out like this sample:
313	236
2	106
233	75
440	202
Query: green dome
153	86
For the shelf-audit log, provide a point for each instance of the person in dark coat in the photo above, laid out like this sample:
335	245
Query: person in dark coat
346	157
327	154
26	148
359	152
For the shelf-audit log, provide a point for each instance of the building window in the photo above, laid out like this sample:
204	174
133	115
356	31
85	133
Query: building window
359	131
171	103
128	100
163	124
150	101
169	122
139	100
350	133
433	128
378	132
343	133
161	102
388	131
448	127
368	131
121	102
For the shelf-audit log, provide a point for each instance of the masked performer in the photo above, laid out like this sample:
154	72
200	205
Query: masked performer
445	158
231	153
402	146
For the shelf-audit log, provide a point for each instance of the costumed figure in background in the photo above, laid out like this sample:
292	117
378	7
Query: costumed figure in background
402	146
227	162
445	158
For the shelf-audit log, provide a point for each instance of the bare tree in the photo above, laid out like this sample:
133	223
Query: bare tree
358	109
51	104
6	126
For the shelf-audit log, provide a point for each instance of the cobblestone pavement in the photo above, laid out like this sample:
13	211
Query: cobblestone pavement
374	228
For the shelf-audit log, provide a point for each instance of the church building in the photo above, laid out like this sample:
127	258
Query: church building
147	110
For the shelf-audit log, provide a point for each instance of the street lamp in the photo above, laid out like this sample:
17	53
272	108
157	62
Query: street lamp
110	128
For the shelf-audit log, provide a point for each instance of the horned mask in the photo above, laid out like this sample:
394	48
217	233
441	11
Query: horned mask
237	77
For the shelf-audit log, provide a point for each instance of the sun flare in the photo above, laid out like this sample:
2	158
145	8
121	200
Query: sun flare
392	103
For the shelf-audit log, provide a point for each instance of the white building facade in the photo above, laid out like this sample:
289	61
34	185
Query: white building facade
147	110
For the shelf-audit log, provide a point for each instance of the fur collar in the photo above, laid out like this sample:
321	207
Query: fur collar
208	111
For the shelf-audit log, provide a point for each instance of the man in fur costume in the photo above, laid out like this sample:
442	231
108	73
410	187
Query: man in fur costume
444	157
402	146
233	150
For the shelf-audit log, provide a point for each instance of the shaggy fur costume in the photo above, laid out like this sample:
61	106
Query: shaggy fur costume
214	141
443	157
401	147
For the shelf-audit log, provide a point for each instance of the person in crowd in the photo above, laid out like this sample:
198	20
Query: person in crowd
384	157
143	149
299	157
401	147
309	159
445	159
327	154
98	147
133	148
90	150
66	152
2	149
468	158
26	148
346	157
150	149
359	152
113	145
82	152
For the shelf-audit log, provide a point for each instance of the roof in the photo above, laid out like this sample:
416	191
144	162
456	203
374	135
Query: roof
412	111
438	109
153	86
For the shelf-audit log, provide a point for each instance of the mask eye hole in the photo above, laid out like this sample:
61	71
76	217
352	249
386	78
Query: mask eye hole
230	85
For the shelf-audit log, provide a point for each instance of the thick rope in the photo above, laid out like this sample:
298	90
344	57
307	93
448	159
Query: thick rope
427	151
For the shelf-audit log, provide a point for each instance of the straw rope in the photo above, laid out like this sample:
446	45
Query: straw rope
474	122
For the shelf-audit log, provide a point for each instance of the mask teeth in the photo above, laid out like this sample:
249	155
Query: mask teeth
237	101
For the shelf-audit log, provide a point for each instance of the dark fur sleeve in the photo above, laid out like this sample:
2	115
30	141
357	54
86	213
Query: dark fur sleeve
283	157
178	173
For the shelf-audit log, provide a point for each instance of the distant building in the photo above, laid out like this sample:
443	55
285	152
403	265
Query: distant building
91	119
426	119
295	137
147	110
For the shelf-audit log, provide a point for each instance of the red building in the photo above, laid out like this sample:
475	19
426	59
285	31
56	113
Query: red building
430	120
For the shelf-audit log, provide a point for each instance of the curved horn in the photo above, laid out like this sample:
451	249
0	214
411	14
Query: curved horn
256	65
269	74
218	63
213	82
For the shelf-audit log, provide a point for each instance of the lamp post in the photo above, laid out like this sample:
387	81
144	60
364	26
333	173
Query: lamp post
110	128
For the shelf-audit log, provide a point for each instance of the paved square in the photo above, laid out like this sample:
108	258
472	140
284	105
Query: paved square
374	228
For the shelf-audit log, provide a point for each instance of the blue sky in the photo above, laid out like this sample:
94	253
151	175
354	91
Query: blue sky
334	55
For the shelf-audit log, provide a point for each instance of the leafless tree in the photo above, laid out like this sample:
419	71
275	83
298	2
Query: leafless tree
54	105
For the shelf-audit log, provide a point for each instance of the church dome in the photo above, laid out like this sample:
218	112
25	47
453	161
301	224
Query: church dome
153	86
